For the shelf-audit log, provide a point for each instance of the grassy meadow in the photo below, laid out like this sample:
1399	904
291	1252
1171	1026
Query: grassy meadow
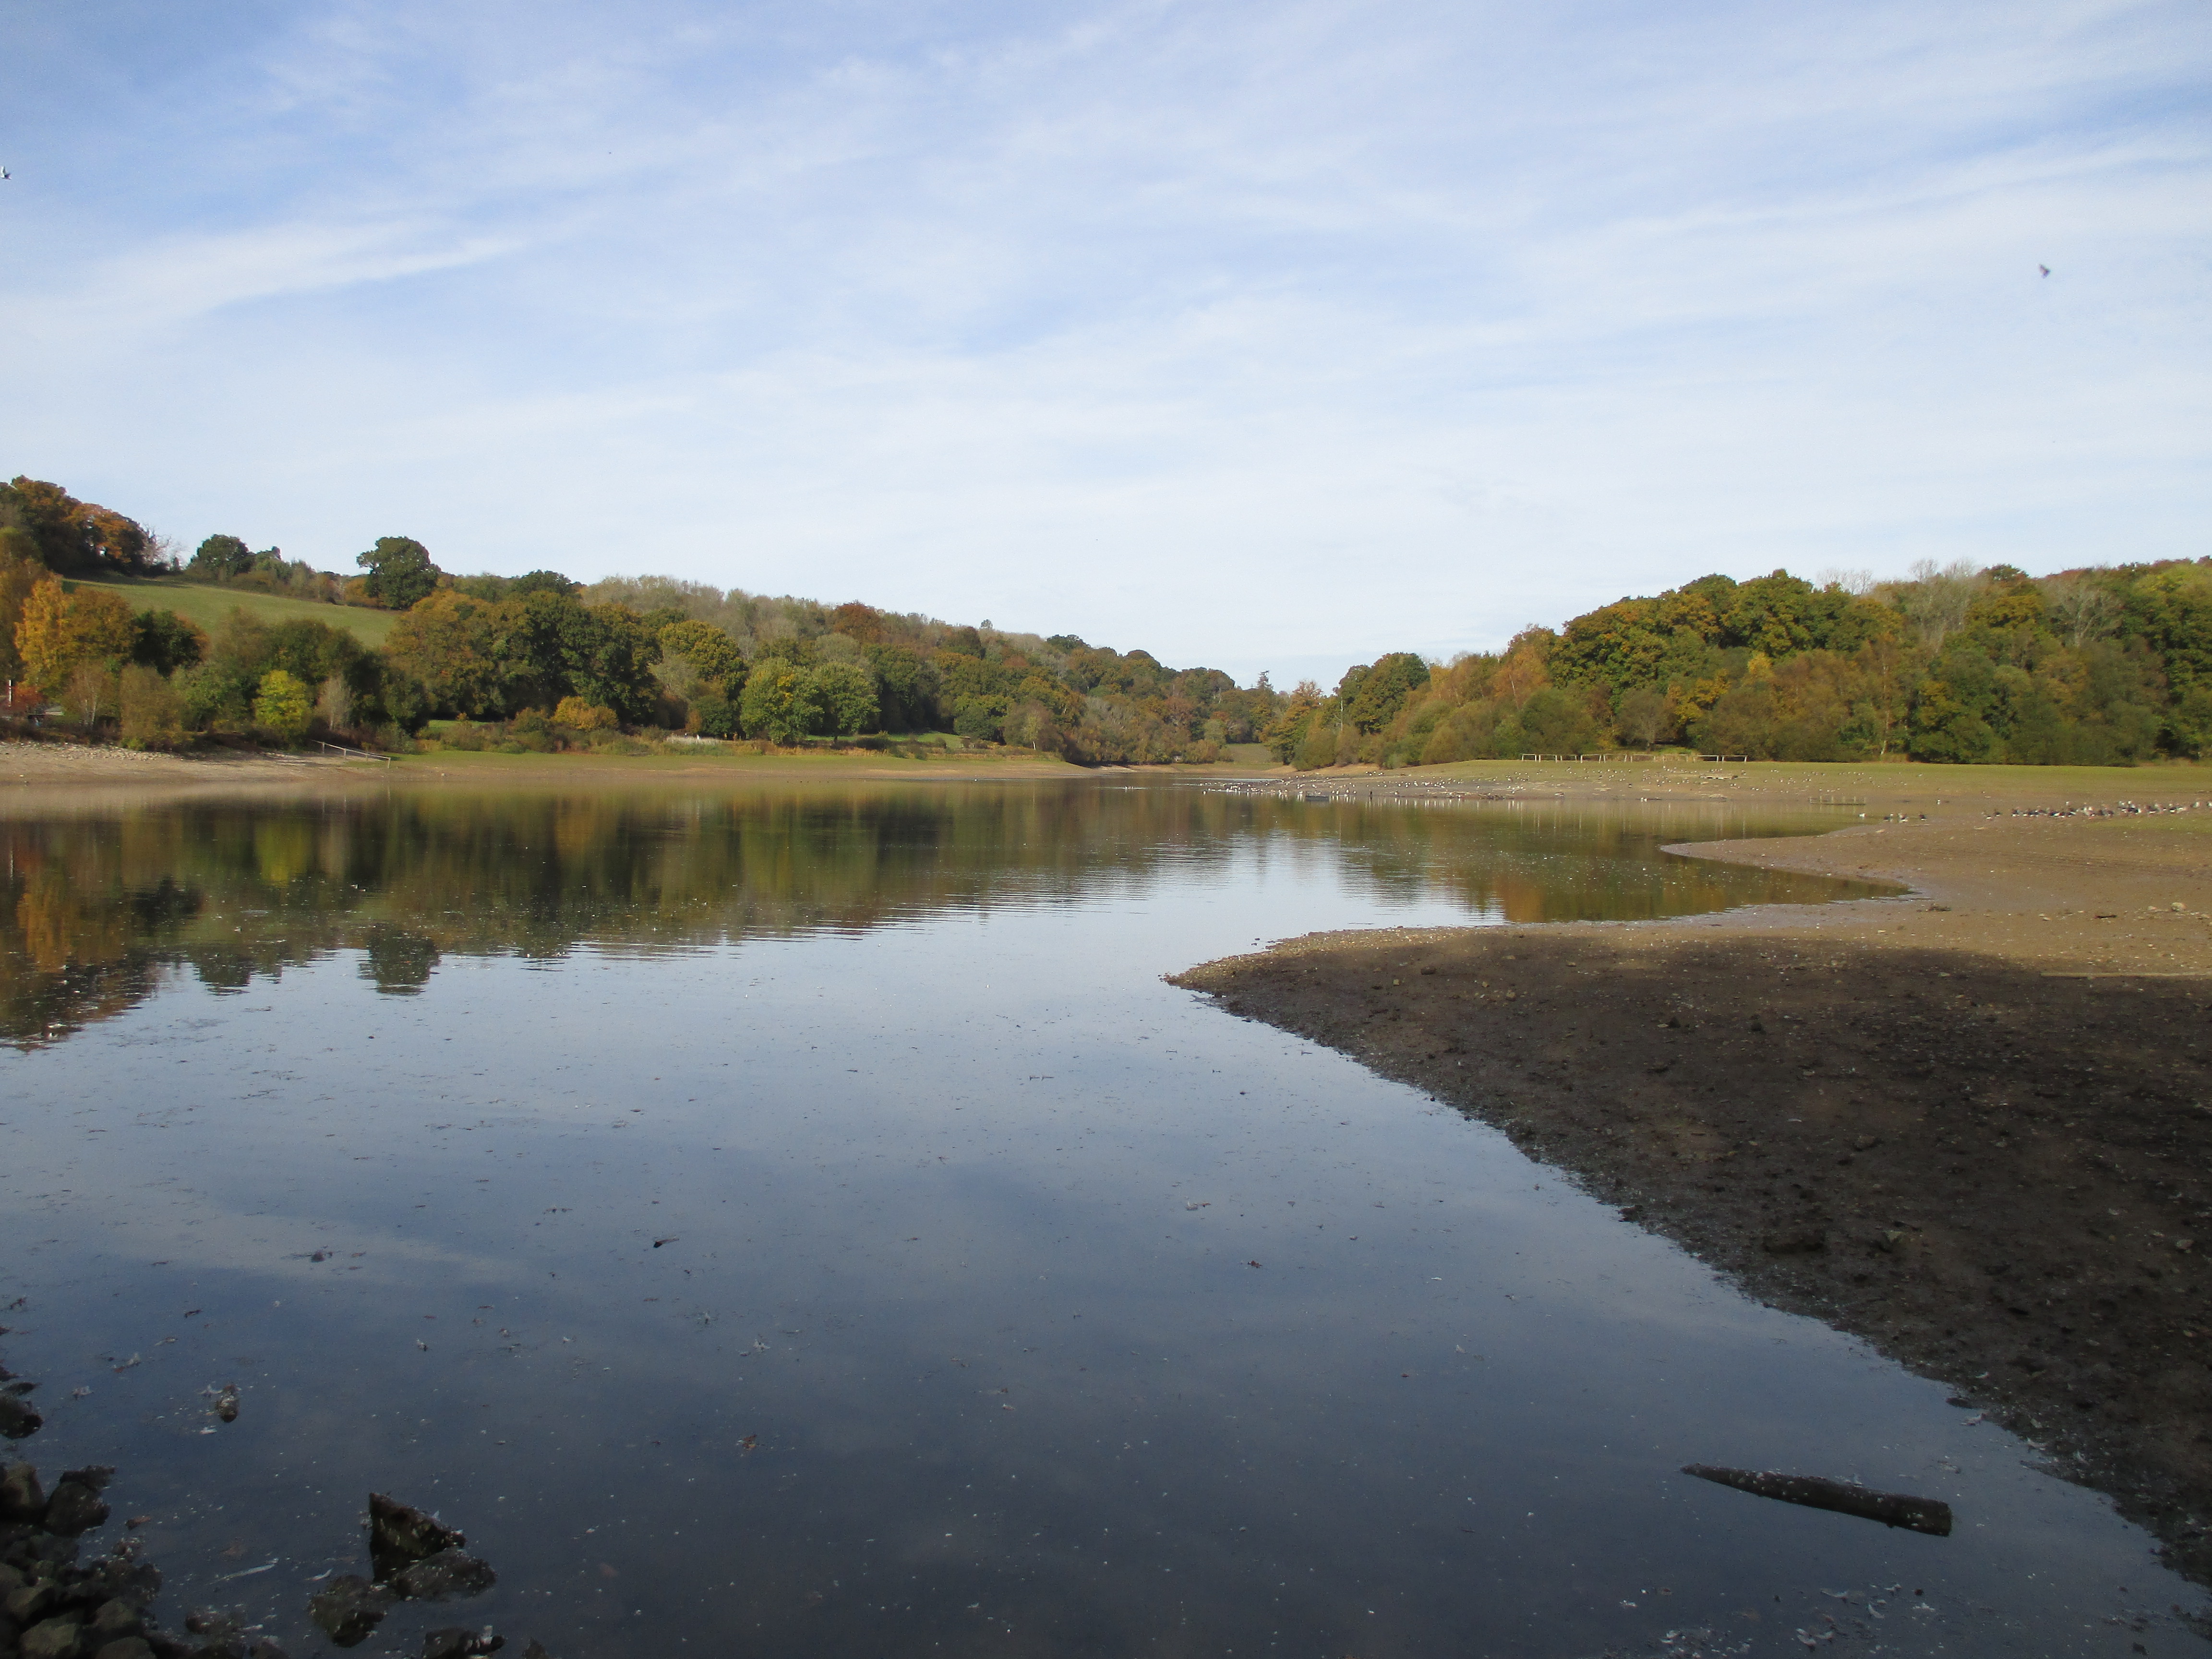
208	606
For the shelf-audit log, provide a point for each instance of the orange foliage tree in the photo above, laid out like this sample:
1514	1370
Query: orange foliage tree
60	632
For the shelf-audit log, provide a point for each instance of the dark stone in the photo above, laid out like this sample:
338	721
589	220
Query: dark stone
74	1508
125	1647
265	1649
458	1643
21	1497
115	1618
349	1607
17	1419
123	1577
94	1475
49	1549
52	1638
399	1532
536	1651
449	1572
211	1621
31	1602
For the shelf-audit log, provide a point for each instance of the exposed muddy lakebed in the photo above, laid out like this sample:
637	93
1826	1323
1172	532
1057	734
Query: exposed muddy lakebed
782	1221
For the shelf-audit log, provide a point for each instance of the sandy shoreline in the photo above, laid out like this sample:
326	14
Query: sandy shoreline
1971	1124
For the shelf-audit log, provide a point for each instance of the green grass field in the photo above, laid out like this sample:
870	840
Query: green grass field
197	602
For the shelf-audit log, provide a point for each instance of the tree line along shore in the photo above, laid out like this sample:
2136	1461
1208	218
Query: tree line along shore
2103	665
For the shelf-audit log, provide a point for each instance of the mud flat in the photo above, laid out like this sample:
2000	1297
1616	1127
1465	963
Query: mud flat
1972	1123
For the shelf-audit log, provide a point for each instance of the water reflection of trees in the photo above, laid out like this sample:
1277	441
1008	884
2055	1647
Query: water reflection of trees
98	907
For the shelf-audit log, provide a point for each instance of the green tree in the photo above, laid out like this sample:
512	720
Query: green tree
846	694
1554	722
907	687
1373	695
165	641
219	557
709	652
284	704
1641	716
400	574
780	703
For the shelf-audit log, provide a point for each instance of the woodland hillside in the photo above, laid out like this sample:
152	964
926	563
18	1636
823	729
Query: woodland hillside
2098	666
2104	666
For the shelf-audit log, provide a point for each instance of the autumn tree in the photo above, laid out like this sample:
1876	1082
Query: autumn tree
75	538
58	630
19	573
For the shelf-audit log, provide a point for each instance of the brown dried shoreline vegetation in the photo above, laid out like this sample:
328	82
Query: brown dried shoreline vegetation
1973	1126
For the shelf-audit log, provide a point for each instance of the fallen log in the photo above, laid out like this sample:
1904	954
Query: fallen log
1815	1491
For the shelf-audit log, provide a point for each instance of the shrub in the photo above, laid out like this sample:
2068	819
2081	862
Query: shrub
88	694
1319	749
153	713
581	716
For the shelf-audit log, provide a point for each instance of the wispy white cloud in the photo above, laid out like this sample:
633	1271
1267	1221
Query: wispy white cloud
1255	335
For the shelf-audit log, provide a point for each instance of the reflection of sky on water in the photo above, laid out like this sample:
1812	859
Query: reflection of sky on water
957	1217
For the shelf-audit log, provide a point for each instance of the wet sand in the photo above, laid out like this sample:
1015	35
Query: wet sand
1971	1124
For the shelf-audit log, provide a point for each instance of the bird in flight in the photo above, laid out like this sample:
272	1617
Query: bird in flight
2046	270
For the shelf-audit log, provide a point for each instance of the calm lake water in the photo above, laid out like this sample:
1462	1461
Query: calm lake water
805	1222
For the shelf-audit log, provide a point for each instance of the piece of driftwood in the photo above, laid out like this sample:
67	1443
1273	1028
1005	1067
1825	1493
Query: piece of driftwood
1815	1491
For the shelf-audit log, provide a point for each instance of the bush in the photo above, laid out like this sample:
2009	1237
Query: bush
581	716
1319	749
529	732
153	713
89	695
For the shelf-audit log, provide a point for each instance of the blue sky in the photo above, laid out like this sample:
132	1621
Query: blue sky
1262	336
